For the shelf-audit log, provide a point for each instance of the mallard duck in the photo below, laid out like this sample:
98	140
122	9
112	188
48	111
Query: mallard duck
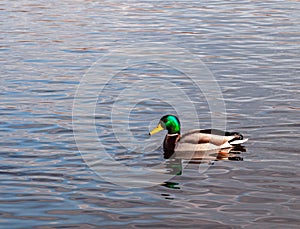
198	140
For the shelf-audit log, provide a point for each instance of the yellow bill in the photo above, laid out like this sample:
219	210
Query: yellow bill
156	129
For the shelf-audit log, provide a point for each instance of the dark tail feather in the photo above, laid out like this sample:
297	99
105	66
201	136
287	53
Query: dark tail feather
237	135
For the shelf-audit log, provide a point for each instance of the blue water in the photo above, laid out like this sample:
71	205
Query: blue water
83	82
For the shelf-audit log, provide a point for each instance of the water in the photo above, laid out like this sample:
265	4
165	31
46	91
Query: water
252	51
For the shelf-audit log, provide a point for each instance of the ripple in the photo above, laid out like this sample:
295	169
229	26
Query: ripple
251	48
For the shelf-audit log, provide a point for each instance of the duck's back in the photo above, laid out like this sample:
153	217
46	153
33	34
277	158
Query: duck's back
217	137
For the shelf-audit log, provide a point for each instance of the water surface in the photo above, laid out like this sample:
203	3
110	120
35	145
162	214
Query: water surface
250	47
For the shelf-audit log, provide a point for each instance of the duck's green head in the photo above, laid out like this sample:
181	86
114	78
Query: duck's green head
167	122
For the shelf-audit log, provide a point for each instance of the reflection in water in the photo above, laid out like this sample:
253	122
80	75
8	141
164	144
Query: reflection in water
171	185
174	165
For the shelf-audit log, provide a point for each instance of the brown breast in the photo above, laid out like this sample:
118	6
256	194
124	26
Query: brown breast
169	145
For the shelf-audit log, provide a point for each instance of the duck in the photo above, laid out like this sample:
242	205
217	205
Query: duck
194	141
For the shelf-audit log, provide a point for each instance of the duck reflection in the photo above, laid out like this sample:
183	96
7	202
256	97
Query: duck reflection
174	161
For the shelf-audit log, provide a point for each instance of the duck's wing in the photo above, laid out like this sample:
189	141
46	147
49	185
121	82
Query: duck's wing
214	137
190	148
